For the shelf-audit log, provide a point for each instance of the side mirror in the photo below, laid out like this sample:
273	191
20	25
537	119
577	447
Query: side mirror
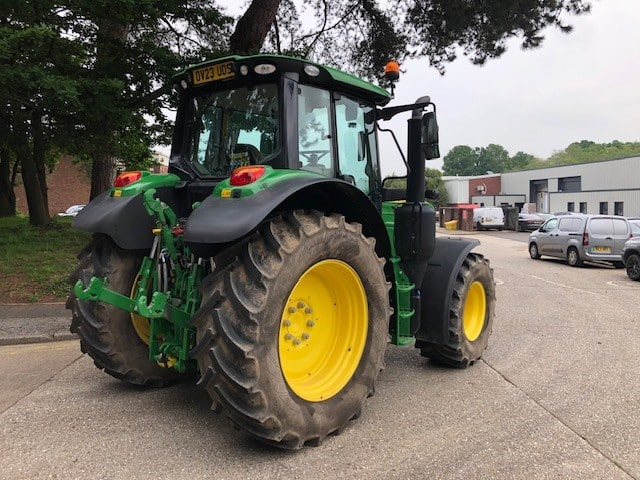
429	140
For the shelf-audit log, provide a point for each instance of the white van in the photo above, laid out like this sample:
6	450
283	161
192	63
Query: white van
488	217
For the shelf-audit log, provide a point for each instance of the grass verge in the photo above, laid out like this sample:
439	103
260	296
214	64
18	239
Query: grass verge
36	261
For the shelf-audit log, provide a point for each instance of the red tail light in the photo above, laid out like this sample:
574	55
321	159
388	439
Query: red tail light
585	239
246	175
127	178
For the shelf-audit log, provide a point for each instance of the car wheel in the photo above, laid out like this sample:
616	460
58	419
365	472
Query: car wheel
573	257
633	266
533	251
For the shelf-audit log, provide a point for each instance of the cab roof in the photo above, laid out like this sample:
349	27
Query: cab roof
327	77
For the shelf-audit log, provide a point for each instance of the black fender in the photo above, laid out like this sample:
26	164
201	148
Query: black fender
217	221
437	286
124	219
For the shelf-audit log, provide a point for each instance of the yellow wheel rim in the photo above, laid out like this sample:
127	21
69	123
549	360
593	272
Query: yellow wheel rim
475	308
323	330
140	324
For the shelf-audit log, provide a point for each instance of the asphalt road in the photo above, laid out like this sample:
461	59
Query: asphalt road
556	396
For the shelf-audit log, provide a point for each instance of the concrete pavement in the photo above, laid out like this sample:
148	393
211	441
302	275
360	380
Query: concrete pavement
31	323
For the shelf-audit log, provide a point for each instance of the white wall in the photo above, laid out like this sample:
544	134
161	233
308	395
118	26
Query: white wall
458	189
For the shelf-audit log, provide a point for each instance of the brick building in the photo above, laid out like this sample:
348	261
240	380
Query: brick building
67	185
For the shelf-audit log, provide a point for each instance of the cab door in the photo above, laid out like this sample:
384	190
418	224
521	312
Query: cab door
356	142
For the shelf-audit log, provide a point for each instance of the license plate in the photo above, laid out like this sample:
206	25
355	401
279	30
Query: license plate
487	220
602	249
213	73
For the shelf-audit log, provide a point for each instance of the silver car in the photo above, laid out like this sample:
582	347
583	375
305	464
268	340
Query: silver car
578	238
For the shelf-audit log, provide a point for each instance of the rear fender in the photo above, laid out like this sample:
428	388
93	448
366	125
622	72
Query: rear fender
123	218
218	220
437	287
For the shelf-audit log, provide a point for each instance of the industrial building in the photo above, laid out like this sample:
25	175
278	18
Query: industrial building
606	187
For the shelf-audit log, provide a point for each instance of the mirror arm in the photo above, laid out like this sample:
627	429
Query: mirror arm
389	112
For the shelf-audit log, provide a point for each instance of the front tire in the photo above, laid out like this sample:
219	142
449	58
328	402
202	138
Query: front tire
106	332
471	313
533	251
632	265
291	333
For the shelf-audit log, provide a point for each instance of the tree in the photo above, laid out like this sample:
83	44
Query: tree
435	182
520	161
362	35
34	89
464	160
492	158
134	49
461	160
588	151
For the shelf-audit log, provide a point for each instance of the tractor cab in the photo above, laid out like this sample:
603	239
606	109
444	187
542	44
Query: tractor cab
279	112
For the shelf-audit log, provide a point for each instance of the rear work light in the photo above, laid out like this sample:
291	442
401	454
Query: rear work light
127	178
585	239
246	175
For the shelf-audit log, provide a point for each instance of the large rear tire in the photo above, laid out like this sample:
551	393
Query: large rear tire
292	331
107	333
471	313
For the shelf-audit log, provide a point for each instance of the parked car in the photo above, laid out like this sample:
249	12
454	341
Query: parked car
72	211
529	221
631	257
488	217
578	238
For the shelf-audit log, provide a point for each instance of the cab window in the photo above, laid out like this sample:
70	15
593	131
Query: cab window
233	128
357	154
314	130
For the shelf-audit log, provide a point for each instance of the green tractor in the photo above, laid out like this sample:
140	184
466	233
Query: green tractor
272	261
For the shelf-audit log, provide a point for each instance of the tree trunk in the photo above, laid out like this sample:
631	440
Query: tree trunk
38	211
253	26
102	170
110	46
38	154
7	195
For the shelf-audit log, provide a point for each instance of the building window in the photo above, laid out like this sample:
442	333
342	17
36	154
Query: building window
604	208
570	184
571	207
583	207
618	208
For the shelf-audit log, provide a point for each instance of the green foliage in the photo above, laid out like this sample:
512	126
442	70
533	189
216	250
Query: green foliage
434	181
35	261
464	160
361	36
98	73
587	151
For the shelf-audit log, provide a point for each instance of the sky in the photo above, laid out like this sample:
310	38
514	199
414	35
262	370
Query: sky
579	86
